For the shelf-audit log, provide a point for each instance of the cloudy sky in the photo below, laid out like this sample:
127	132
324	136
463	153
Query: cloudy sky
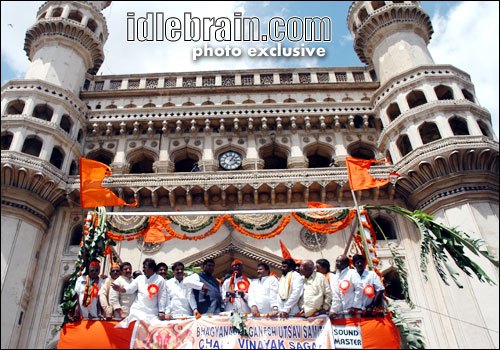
466	35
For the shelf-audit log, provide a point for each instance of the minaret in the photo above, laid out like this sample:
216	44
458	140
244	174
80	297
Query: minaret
441	142
390	35
43	123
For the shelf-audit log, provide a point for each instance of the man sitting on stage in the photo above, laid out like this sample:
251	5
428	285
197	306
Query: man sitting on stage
317	295
87	290
290	287
373	289
207	290
263	293
346	288
151	296
181	298
122	302
235	290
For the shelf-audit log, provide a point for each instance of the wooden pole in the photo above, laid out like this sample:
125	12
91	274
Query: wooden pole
362	234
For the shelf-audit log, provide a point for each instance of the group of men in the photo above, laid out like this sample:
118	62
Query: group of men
312	290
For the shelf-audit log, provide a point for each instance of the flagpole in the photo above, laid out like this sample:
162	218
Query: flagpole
362	234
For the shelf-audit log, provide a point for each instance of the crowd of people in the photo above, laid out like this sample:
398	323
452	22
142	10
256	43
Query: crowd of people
306	289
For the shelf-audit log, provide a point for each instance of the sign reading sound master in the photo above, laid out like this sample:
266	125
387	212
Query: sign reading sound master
347	337
218	333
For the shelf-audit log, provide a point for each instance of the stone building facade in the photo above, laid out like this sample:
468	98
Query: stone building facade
292	129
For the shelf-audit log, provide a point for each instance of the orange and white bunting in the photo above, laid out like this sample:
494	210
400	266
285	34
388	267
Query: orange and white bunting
152	290
369	291
344	286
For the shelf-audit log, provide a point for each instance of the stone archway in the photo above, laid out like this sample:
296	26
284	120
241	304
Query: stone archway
231	248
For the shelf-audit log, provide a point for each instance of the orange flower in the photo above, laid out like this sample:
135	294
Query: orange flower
198	315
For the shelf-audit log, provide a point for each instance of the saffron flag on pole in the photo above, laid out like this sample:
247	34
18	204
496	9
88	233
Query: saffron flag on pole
286	253
360	178
92	194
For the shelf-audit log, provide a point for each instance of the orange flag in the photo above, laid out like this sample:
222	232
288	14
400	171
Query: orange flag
92	194
154	231
286	254
359	177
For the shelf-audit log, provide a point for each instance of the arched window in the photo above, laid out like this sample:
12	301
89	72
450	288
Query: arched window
32	145
459	126
416	98
485	130
57	12
443	92
393	111
75	16
73	169
404	145
57	157
15	107
66	123
142	166
318	161
377	4
361	151
43	112
76	235
362	14
6	141
92	25
468	95
186	165
385	226
429	132
101	156
274	156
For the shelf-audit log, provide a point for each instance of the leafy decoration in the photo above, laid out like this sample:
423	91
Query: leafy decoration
237	322
410	333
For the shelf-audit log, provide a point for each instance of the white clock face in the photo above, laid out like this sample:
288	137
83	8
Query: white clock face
230	160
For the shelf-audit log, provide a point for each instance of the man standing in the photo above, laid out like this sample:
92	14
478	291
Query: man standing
207	290
323	266
87	290
235	290
346	288
161	269
105	290
122	302
373	289
151	296
290	287
181	298
317	295
263	291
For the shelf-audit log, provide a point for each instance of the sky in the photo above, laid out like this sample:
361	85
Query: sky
466	35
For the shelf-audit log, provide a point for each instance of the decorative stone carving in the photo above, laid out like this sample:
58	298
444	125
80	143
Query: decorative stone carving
148	248
311	240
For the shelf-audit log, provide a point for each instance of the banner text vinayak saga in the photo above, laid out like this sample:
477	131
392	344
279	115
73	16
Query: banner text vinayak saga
154	26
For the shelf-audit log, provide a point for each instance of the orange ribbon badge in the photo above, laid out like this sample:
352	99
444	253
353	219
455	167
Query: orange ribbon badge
95	291
369	291
344	285
242	286
153	289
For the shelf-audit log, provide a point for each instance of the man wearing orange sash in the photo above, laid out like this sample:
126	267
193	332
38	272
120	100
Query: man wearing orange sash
235	290
151	295
87	289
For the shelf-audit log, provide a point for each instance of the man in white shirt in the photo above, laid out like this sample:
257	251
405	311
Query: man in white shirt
235	290
290	287
373	289
346	288
122	302
151	296
181	301
87	290
262	294
317	295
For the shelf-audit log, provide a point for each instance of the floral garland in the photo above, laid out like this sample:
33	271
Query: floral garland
257	222
284	222
317	218
218	223
326	228
191	226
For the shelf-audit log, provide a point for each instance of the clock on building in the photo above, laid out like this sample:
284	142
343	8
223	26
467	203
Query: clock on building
230	160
